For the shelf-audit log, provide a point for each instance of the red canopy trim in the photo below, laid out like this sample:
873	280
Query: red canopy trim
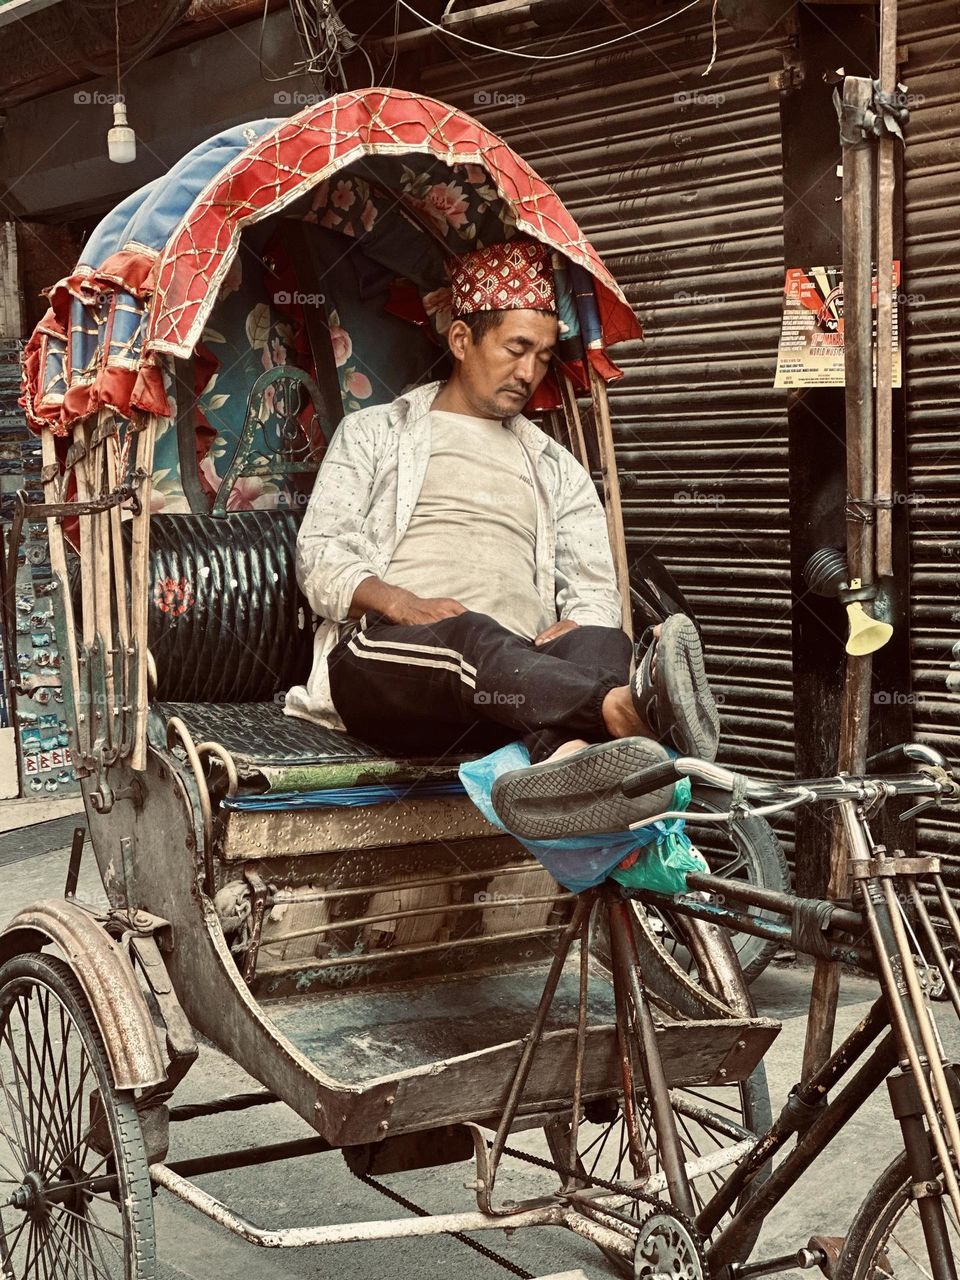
302	151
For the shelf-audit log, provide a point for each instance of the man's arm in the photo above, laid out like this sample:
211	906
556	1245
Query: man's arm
399	605
585	576
336	561
333	553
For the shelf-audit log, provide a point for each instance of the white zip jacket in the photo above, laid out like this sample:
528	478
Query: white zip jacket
362	501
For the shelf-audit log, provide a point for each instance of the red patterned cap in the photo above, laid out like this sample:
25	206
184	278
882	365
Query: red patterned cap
512	276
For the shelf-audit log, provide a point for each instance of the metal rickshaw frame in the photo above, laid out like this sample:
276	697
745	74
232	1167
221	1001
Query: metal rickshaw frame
160	955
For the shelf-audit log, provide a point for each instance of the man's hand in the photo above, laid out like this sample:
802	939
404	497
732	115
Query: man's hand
556	629
399	605
415	610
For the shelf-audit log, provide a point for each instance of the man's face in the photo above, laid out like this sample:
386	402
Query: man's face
500	372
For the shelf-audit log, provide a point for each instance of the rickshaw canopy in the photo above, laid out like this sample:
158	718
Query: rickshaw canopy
409	179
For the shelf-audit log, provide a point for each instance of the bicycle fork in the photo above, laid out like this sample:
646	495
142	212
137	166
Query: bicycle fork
922	1089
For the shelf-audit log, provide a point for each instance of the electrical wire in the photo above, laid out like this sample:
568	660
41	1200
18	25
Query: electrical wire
546	57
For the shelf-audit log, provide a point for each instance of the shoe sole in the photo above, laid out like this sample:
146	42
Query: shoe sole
682	684
580	794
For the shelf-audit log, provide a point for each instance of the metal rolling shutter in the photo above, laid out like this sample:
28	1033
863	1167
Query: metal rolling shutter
676	178
931	33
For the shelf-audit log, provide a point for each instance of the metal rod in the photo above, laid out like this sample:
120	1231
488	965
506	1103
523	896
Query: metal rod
332	962
139	590
770	899
58	565
73	866
638	1159
233	1102
651	1064
810	1092
903	1098
728	1243
534	1036
356	922
322	895
611	492
347	1233
906	1033
581	1038
246	1156
744	922
923	915
928	1036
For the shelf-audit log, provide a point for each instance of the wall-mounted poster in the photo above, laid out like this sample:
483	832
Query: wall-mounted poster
811	336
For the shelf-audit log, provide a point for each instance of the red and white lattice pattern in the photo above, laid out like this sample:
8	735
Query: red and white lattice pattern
310	146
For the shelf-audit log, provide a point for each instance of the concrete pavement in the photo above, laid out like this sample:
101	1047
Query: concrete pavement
321	1189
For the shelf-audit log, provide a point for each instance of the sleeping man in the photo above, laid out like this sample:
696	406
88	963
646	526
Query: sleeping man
460	560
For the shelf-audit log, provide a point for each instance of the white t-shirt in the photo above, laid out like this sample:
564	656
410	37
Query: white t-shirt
472	534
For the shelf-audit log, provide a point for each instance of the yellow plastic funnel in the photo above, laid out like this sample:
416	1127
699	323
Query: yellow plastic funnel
867	634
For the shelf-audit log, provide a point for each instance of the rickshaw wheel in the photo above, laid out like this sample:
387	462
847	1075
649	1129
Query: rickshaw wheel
74	1184
708	1117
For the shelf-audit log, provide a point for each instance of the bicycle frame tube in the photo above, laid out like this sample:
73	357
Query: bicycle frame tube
804	1096
815	1139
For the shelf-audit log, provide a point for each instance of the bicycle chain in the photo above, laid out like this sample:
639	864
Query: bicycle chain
457	1235
644	1197
655	1202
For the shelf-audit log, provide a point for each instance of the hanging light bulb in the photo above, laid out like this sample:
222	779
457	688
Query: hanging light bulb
121	140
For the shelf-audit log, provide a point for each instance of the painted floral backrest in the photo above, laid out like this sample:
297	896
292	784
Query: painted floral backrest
259	324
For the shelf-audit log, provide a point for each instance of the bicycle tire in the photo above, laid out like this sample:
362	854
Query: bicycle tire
870	1249
762	861
49	1137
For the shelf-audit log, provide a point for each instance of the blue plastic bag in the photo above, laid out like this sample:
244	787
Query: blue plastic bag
581	862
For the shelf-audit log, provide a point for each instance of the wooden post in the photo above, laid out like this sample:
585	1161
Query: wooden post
139	587
858	197
611	493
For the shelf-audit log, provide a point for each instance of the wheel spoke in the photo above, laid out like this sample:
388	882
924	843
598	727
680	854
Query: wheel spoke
79	1247
91	1222
25	1223
26	1155
65	1155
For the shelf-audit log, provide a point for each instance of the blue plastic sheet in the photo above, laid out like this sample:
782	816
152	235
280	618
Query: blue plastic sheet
343	797
665	858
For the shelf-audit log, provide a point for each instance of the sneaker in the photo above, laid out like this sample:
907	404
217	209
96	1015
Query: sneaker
677	704
580	794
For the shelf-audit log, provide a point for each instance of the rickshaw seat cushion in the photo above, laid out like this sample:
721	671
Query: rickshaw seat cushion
290	754
227	620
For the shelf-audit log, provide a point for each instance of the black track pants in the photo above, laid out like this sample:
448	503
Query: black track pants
468	684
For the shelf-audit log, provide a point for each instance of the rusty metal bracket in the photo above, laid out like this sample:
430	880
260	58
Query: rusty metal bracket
890	868
182	1047
259	893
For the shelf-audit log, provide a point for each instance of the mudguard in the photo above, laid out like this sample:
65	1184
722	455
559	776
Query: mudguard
107	978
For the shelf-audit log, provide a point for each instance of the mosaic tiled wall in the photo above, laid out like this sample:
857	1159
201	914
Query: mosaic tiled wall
43	743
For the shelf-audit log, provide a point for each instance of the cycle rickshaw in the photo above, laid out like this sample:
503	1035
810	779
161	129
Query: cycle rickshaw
347	928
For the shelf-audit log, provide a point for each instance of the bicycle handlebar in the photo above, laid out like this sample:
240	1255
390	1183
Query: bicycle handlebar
933	779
